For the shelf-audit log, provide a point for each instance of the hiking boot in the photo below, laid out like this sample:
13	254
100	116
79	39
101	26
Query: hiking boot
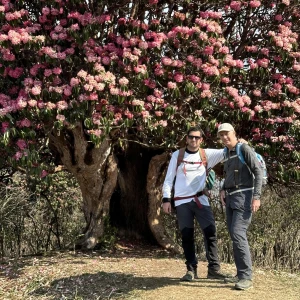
189	276
231	279
191	273
243	284
212	274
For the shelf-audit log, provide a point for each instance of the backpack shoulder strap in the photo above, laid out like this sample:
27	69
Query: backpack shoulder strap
239	152
259	157
203	157
225	153
180	157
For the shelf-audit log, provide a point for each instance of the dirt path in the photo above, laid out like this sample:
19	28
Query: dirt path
149	274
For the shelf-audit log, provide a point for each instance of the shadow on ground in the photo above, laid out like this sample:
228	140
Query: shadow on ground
104	285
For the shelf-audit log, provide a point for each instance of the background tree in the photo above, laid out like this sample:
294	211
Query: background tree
80	80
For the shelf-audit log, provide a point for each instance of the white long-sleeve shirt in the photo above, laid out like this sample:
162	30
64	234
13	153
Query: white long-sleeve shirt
190	178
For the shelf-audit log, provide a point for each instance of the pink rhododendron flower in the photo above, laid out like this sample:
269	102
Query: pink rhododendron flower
128	114
106	60
163	123
82	74
205	86
206	94
145	114
93	97
198	113
44	173
24	123
47	72
143	45
18	155
208	50
57	71
74	81
114	91
40	104
257	93
296	67
235	5
60	117
178	77
51	105
96	132
123	81
67	90
4	126
172	85
21	144
225	80
264	62
36	90
136	102
224	50
166	61
15	73
157	93
254	3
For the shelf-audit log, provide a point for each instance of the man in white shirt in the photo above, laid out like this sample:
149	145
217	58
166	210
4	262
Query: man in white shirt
191	202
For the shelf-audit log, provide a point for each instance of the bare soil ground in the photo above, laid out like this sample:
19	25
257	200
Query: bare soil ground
130	272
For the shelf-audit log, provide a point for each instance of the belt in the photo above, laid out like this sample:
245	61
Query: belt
233	191
193	196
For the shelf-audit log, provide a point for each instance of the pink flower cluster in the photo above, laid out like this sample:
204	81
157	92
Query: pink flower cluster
285	38
255	3
10	16
209	25
235	5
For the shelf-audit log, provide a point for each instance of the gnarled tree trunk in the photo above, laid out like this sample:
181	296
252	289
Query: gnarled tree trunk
129	204
96	172
97	188
156	174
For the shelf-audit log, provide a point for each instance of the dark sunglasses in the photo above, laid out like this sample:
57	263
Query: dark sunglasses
191	137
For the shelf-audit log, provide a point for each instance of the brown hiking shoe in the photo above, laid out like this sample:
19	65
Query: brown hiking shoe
212	274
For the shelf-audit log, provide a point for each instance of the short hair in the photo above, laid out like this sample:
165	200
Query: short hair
195	128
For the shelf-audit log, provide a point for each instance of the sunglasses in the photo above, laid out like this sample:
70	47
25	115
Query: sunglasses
191	137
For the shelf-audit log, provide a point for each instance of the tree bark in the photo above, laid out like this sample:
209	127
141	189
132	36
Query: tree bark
96	172
129	204
96	192
156	174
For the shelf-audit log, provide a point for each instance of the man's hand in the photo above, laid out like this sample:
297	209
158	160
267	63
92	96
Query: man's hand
222	197
167	207
241	140
255	205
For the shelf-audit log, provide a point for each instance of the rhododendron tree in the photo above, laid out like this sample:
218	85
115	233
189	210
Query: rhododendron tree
78	77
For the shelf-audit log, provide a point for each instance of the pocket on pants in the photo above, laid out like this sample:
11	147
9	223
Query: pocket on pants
241	200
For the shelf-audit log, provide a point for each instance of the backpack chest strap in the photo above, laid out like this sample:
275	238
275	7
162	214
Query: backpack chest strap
191	163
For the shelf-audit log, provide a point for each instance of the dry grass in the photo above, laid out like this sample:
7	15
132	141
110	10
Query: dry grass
129	273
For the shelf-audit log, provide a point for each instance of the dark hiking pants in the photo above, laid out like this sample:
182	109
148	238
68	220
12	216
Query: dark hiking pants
204	216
